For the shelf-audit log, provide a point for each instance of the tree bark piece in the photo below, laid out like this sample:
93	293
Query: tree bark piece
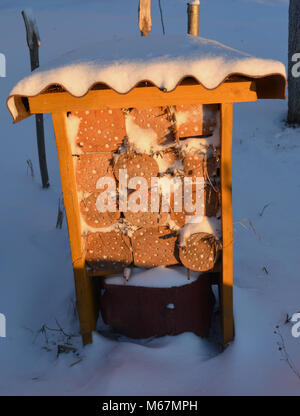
108	251
100	130
154	247
199	252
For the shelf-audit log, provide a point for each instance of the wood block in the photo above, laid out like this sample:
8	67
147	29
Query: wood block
154	247
92	216
196	120
136	165
211	205
91	167
108	251
147	219
100	130
166	159
197	165
199	253
157	119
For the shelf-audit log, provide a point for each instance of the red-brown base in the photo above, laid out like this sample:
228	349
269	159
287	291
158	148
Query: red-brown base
143	312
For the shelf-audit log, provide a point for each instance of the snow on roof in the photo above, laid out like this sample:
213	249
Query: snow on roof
162	60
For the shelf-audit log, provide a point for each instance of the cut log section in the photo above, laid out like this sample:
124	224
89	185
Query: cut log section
108	251
199	252
211	205
92	216
154	247
157	119
197	165
196	120
149	218
166	159
136	165
100	130
91	167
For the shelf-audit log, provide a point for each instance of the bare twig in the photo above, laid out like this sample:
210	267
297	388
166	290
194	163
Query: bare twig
161	17
253	229
284	352
60	214
263	210
30	167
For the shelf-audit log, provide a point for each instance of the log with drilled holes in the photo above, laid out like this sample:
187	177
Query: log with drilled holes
211	205
93	216
199	252
156	246
197	165
91	167
108	251
196	120
136	165
100	130
153	217
157	119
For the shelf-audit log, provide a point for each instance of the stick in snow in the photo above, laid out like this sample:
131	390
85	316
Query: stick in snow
33	41
145	23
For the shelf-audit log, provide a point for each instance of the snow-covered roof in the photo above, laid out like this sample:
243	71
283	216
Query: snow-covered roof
162	60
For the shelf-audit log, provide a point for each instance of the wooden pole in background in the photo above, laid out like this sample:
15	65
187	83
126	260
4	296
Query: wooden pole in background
193	18
33	41
145	23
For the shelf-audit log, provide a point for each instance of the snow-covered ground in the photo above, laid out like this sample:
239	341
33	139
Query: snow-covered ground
36	281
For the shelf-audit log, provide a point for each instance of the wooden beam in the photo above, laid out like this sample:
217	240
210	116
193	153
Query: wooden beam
228	92
226	287
86	304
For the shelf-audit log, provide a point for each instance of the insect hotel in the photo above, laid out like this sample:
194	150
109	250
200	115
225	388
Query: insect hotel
136	123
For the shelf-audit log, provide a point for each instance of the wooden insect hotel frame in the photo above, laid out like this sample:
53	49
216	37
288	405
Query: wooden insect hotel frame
55	99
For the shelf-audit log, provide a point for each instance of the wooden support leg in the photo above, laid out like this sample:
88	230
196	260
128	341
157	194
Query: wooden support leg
86	305
226	296
86	302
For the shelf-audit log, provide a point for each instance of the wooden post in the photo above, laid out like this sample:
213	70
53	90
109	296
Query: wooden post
85	294
293	64
145	23
193	18
33	41
226	287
